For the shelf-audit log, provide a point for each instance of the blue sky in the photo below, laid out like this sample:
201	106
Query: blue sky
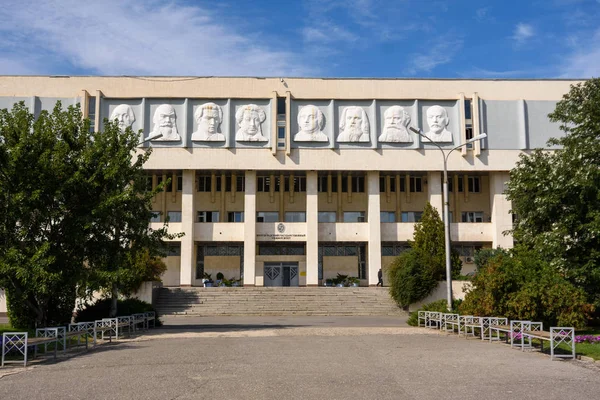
323	38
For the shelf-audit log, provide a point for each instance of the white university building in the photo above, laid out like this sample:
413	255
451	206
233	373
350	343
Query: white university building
290	181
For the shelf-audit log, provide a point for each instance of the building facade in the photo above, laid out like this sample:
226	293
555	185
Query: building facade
290	181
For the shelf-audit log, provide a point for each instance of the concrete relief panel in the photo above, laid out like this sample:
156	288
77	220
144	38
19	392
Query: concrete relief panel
440	122
437	122
394	117
249	119
354	125
166	118
208	118
503	122
127	113
396	121
164	124
539	127
251	122
124	115
312	123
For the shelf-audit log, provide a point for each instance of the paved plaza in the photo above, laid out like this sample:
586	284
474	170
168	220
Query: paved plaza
301	358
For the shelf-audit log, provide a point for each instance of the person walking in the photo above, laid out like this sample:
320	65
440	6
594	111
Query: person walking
380	276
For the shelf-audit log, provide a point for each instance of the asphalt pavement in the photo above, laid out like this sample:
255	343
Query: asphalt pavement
301	358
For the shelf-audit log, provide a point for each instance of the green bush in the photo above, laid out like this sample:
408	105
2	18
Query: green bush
518	284
409	278
58	309
101	309
439	305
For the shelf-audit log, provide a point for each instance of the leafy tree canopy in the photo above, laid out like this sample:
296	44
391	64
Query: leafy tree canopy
556	195
74	211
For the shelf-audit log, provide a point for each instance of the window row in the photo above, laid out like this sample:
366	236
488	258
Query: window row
323	216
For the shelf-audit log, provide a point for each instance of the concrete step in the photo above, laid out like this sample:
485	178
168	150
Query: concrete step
276	301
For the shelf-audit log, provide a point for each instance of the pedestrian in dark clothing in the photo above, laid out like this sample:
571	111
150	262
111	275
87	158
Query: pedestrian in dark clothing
380	276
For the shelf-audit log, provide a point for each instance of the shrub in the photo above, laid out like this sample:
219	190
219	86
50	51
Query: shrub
517	284
410	280
101	309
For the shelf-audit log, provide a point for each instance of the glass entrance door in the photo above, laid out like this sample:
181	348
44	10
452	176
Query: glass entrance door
281	274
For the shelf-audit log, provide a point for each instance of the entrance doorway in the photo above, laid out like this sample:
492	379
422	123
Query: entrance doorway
281	274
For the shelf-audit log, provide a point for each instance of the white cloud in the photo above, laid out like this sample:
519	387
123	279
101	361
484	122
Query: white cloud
327	34
439	54
584	62
523	32
128	37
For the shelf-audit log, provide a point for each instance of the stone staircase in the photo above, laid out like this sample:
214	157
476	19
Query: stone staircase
199	301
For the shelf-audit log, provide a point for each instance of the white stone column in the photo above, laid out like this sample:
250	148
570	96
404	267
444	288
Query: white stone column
250	229
374	221
188	248
312	229
434	190
500	210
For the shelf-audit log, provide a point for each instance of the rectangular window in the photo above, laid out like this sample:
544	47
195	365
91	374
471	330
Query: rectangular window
281	133
381	184
416	184
326	216
174	250
235	216
358	184
344	184
472	216
402	184
411	216
387	216
281	106
299	184
204	183
208	216
263	184
228	183
179	183
92	113
468	109
219	183
450	184
474	184
354	216
460	184
267	216
169	186
295	216
174	216
240	184
149	183
155	216
322	184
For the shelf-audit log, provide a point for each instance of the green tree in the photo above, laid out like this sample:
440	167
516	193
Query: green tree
519	284
415	273
44	203
120	238
75	212
556	195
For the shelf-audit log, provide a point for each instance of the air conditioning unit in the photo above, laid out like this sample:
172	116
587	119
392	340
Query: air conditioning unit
469	260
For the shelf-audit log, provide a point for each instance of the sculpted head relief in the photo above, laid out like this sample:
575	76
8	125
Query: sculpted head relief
354	125
396	120
311	121
250	118
208	116
437	119
165	122
124	116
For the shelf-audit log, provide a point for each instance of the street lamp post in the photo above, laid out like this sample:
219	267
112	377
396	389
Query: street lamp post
446	206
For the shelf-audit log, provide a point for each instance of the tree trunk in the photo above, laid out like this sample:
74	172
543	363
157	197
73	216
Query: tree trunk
113	301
